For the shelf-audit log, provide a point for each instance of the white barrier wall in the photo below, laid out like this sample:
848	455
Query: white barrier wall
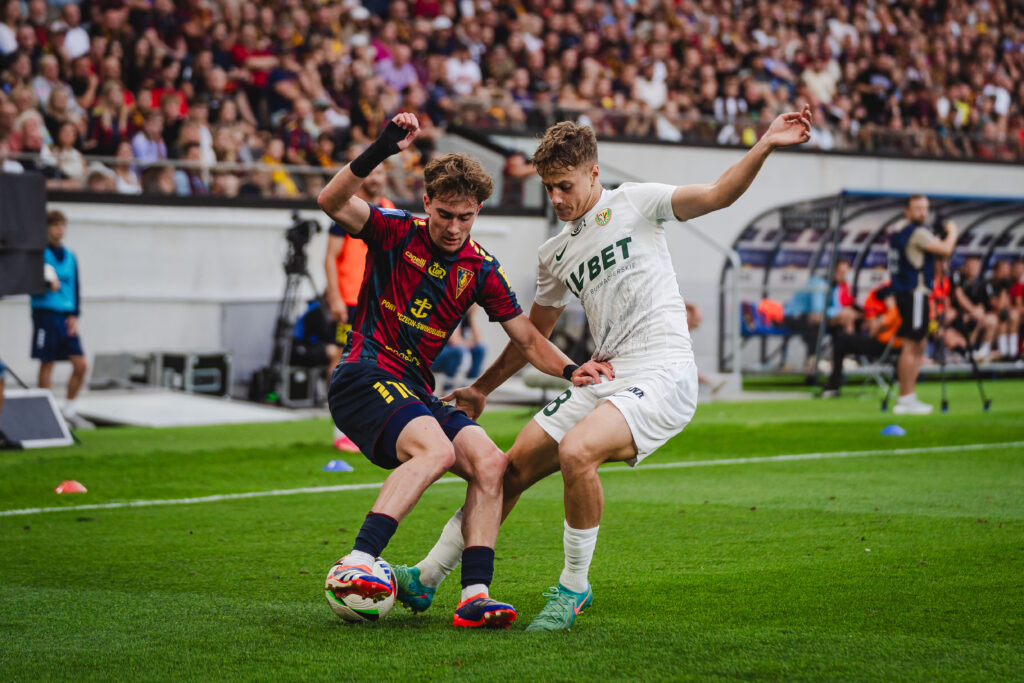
184	278
160	277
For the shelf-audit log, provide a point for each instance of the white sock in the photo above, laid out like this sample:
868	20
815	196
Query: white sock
579	551
909	398
338	433
984	349
1014	344
473	589
71	406
359	557
1003	342
445	555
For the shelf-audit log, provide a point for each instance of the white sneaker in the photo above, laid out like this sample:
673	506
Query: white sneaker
914	407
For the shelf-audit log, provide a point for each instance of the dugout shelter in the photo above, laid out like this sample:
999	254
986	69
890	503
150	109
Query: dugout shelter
791	251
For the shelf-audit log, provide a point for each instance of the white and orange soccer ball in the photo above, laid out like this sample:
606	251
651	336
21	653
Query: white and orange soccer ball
355	608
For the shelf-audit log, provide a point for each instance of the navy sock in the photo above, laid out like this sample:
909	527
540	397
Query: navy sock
477	565
375	533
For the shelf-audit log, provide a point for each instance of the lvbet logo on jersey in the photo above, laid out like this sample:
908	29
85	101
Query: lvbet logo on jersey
589	270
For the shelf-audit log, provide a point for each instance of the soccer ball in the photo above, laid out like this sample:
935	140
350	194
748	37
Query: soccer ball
356	608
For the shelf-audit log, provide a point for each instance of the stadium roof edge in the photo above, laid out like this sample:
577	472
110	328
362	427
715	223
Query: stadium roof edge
931	195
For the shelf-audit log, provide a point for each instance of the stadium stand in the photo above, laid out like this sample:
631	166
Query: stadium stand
277	94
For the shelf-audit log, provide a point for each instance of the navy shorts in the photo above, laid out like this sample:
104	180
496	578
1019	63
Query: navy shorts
373	406
50	338
3	370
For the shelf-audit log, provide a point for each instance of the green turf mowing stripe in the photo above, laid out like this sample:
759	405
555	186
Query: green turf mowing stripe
450	480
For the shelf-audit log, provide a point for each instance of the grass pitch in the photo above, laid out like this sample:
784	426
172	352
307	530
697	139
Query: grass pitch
905	563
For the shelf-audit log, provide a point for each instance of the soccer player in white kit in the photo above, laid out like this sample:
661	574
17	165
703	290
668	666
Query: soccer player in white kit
613	256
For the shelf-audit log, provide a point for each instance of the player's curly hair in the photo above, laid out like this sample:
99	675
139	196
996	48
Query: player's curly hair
457	175
564	147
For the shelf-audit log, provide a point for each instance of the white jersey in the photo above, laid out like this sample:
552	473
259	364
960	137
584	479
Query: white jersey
615	260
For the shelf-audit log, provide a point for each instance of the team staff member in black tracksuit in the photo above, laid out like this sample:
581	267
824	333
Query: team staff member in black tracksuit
912	251
970	297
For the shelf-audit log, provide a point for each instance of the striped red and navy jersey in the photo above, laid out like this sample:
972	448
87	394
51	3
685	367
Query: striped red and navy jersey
414	295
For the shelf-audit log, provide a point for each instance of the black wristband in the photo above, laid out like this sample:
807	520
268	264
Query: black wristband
568	370
381	148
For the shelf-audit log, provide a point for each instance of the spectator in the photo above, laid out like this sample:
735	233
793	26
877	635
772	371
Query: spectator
284	184
188	180
55	318
99	179
108	122
76	38
396	71
126	180
148	144
158	179
461	72
10	17
70	162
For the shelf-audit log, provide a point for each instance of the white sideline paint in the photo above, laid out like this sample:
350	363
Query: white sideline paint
452	480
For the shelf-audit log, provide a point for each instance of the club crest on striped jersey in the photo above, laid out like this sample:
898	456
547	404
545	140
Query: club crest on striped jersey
604	216
464	275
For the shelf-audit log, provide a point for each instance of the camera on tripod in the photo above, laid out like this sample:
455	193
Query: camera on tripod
298	236
939	226
277	381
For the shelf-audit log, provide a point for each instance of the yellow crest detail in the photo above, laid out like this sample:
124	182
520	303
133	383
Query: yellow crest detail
437	270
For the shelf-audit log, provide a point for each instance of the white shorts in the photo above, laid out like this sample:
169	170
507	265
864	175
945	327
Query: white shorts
656	403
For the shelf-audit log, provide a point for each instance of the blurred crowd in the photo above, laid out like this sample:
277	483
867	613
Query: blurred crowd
268	98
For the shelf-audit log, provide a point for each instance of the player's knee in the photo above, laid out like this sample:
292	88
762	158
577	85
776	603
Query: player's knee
490	468
573	456
441	455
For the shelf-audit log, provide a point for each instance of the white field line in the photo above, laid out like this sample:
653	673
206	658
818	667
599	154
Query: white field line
452	480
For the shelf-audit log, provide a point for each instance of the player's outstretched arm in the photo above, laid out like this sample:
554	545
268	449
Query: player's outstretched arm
691	201
338	199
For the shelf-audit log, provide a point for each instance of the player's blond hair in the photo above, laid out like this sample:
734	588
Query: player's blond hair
565	146
457	175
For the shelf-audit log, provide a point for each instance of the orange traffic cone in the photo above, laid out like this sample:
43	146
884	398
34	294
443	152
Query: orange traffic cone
71	486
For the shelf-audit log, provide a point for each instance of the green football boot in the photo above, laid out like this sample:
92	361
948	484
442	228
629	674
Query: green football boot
411	592
561	610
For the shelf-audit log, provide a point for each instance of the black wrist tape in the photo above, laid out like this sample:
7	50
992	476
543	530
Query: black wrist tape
381	148
568	370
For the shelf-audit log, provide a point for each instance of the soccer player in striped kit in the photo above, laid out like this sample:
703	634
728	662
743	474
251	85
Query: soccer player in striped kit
421	277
